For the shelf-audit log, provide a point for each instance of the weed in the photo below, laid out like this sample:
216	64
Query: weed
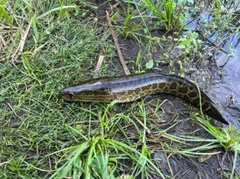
190	43
128	28
96	157
227	138
4	14
165	13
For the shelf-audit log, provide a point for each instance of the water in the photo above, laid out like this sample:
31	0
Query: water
230	84
227	56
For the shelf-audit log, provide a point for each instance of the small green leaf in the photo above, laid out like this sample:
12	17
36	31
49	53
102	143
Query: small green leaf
35	29
149	64
181	46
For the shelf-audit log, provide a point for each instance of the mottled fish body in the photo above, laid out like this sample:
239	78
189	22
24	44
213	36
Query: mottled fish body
133	87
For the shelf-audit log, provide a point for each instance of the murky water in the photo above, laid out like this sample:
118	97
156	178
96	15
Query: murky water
227	90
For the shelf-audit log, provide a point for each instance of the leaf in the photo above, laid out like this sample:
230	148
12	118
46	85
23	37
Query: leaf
149	64
181	46
35	29
3	12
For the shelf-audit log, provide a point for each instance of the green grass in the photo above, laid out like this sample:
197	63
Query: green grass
43	136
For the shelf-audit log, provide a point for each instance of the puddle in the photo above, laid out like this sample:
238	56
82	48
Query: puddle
227	56
229	88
